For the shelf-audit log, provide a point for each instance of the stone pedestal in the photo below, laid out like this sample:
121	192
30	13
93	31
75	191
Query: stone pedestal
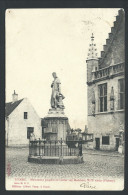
56	125
56	160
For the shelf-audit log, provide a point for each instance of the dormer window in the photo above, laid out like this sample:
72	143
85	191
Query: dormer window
25	115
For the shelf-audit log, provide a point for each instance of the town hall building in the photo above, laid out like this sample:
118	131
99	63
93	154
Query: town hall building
21	120
105	89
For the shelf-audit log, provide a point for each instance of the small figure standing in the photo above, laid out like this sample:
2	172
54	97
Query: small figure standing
32	137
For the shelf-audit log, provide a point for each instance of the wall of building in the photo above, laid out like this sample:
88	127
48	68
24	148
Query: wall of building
94	87
105	123
17	125
91	64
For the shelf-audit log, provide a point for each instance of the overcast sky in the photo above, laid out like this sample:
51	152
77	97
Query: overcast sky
42	41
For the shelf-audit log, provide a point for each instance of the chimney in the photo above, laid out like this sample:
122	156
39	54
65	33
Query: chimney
14	97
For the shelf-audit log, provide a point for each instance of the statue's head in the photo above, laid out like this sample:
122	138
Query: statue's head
54	74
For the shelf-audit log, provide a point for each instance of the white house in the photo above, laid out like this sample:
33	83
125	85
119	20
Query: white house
21	120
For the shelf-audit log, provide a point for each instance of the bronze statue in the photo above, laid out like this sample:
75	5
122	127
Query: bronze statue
56	97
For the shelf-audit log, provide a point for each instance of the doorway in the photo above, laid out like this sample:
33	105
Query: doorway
97	143
117	144
29	131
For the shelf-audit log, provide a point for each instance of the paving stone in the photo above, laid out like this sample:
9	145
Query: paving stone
93	166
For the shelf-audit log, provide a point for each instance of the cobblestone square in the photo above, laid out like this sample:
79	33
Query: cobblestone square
96	165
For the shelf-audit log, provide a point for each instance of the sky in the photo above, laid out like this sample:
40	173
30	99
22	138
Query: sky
42	41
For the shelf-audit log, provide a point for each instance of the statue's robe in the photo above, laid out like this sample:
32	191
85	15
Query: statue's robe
55	93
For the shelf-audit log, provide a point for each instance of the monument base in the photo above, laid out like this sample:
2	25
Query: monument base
56	160
57	125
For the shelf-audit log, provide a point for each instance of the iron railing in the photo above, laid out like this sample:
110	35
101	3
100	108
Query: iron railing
53	148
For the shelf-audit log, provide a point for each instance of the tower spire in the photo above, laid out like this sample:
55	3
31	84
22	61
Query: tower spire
92	53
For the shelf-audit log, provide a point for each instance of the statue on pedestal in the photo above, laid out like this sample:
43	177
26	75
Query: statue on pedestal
56	97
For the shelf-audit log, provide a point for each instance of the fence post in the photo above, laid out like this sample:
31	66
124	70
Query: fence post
44	148
61	146
80	148
50	148
29	147
70	152
39	146
47	150
32	148
55	147
35	148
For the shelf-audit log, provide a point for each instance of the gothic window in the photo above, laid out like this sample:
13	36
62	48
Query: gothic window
105	140
102	97
25	115
121	94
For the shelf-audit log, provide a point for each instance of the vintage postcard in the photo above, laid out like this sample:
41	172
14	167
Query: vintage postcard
65	99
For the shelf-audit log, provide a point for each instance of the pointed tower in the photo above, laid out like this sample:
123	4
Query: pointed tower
92	60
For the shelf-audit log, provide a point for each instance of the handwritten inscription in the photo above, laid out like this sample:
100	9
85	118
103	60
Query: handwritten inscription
87	185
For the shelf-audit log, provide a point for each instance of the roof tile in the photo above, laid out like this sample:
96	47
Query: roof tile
10	106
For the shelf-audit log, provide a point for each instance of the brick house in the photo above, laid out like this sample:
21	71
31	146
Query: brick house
105	89
21	120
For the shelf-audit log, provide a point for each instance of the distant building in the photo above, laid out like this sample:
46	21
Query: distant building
21	120
87	137
105	81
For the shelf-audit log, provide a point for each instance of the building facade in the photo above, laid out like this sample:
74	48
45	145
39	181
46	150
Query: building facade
106	91
21	120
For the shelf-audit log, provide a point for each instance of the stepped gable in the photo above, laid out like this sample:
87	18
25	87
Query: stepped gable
114	43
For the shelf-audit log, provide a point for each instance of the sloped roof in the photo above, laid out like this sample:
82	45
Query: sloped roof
10	106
